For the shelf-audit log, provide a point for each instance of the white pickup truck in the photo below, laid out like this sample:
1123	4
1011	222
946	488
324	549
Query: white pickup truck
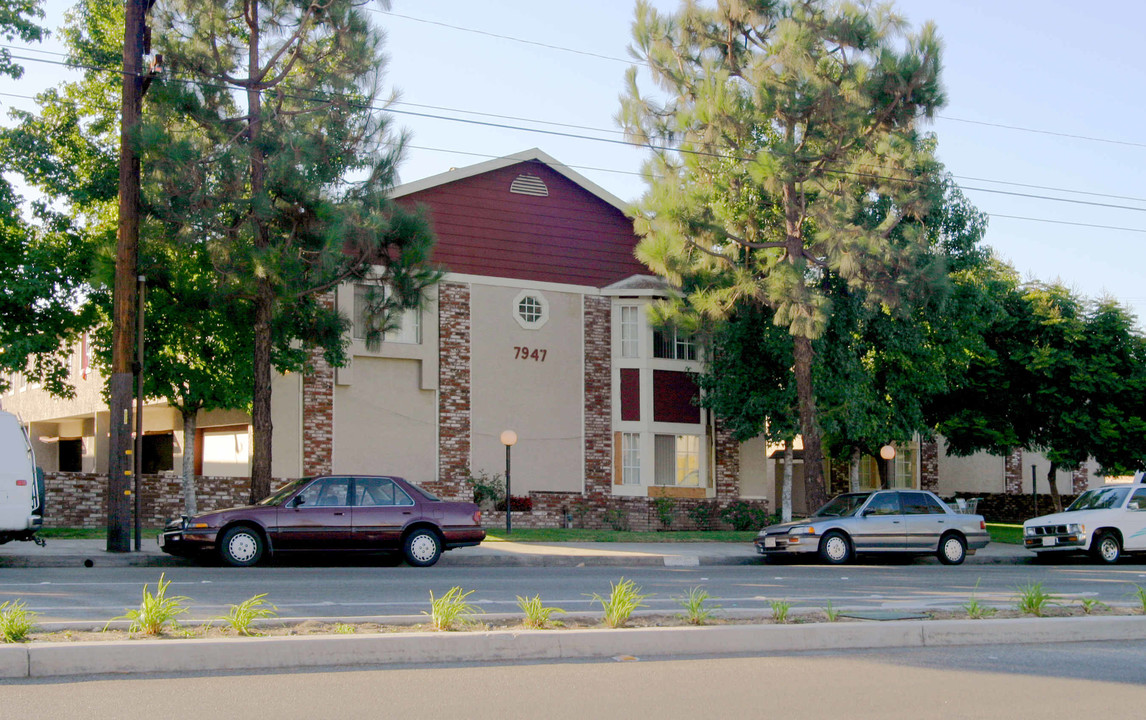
21	484
1105	522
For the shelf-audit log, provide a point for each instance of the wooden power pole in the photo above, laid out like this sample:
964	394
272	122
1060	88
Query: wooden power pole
120	461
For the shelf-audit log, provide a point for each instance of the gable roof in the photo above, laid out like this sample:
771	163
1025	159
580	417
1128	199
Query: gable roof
533	154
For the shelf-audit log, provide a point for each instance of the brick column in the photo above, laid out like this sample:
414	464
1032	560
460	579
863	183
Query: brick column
597	318
929	465
318	410
1080	479
727	465
1013	472
454	431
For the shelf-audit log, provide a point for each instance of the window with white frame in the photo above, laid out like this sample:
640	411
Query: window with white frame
407	323
630	458
630	331
677	461
530	309
672	344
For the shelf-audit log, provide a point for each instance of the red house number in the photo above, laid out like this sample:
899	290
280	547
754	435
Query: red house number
524	353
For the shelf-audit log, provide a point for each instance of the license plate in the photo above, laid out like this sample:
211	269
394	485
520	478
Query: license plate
769	542
1047	542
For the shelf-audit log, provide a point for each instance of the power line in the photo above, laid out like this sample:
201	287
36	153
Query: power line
669	149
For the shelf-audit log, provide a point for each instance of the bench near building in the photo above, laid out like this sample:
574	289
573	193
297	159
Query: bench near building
539	325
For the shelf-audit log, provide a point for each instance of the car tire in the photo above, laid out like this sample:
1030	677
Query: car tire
241	546
422	548
1106	548
952	550
835	548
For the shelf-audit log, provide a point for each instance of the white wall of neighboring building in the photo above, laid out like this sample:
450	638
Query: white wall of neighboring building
540	397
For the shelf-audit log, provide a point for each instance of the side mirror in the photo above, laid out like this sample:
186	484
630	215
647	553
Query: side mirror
296	501
1133	505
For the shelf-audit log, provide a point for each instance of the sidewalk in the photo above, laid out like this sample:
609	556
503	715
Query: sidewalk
92	553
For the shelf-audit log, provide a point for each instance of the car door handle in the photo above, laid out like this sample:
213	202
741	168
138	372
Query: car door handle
338	513
407	512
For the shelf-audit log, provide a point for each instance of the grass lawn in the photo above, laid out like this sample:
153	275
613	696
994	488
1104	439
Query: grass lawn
90	533
1001	533
494	534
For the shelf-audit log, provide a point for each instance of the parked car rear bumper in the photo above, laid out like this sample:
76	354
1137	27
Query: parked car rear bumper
462	537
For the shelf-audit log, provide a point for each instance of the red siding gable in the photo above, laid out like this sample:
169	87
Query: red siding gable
571	236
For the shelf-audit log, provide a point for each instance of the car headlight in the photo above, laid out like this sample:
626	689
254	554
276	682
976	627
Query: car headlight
1076	528
803	530
1029	530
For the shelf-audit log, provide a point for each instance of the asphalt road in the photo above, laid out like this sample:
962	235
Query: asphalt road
1017	682
380	589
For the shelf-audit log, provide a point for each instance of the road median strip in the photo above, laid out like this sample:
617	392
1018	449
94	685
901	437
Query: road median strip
61	659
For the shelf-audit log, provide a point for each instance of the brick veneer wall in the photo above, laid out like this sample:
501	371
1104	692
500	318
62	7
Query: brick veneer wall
929	465
1080	479
80	499
454	441
598	400
634	513
1012	508
318	409
727	466
1013	472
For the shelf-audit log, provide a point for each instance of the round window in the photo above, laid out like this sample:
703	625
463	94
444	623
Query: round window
530	309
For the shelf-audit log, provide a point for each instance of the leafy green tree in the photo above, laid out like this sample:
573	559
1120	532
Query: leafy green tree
44	262
777	126
266	145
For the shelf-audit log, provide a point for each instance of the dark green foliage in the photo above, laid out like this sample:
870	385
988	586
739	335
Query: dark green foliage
703	514
744	516
665	508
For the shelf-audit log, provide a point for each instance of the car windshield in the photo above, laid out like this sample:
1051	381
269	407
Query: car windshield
1100	499
843	505
284	492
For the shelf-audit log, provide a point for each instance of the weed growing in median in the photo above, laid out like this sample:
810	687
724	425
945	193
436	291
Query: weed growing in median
780	610
536	614
155	611
1033	599
344	629
1139	593
696	612
624	598
1089	605
831	612
975	609
16	622
451	610
242	615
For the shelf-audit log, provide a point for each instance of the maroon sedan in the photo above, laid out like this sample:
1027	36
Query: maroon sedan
344	513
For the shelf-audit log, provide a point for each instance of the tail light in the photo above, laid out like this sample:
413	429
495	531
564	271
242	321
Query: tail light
477	517
21	483
982	524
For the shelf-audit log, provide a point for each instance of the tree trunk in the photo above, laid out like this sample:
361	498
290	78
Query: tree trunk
854	470
189	502
264	293
786	492
1054	488
814	493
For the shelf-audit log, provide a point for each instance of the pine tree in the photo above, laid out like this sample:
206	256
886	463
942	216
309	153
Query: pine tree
266	144
784	144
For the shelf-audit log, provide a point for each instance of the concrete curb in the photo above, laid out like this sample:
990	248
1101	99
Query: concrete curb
37	660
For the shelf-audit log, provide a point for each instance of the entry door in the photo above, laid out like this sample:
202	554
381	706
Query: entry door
1134	533
881	525
381	511
318	518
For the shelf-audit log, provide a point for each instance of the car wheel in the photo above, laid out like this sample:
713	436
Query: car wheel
952	550
241	546
1106	547
835	548
422	548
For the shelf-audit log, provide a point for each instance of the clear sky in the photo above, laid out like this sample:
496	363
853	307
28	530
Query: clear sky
1051	68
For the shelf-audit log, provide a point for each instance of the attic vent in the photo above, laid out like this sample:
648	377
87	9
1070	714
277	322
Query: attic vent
529	185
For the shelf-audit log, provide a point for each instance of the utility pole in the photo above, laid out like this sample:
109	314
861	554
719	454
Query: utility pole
120	465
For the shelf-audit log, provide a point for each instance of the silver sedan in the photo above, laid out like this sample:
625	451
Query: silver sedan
901	521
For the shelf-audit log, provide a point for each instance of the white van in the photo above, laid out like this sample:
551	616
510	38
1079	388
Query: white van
21	484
